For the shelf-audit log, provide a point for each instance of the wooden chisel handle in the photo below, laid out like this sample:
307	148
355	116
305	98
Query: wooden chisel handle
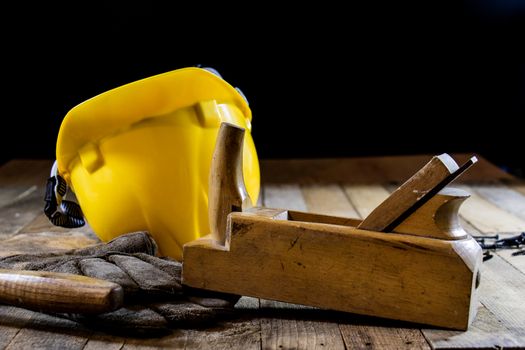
59	292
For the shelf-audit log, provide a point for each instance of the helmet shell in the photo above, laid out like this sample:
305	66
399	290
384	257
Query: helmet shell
138	157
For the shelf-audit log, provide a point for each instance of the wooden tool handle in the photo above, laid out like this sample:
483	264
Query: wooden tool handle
59	292
227	192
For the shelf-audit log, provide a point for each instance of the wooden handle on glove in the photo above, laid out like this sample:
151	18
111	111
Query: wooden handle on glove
59	292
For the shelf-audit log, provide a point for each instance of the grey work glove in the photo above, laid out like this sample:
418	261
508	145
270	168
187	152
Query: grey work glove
154	297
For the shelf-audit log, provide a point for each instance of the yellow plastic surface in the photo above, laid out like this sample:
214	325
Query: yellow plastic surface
138	156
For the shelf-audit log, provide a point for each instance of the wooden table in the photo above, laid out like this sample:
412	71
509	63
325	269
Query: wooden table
344	187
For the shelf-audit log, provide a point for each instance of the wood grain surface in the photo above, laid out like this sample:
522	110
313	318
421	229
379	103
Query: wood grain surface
332	187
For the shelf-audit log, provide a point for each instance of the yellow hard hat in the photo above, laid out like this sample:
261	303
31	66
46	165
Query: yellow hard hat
138	156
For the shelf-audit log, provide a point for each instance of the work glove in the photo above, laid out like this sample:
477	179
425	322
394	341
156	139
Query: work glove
154	297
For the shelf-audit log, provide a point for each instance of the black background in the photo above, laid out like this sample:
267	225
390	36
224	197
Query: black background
322	81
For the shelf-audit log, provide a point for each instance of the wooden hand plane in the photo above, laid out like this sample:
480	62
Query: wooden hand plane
408	260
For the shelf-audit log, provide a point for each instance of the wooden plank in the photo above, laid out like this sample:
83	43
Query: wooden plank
26	178
29	338
377	337
21	183
290	332
502	291
20	211
486	216
509	201
25	173
470	229
41	331
104	341
366	170
506	254
287	196
308	332
327	199
518	262
40	235
7	333
228	335
44	242
365	198
284	333
10	194
503	197
486	332
517	186
12	320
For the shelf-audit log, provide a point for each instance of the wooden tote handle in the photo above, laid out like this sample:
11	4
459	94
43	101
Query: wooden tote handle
227	192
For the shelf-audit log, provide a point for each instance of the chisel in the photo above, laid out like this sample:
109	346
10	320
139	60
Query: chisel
59	292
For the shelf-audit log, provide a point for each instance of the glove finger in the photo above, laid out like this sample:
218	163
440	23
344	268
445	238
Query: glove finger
70	266
170	266
146	276
100	268
136	242
187	314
